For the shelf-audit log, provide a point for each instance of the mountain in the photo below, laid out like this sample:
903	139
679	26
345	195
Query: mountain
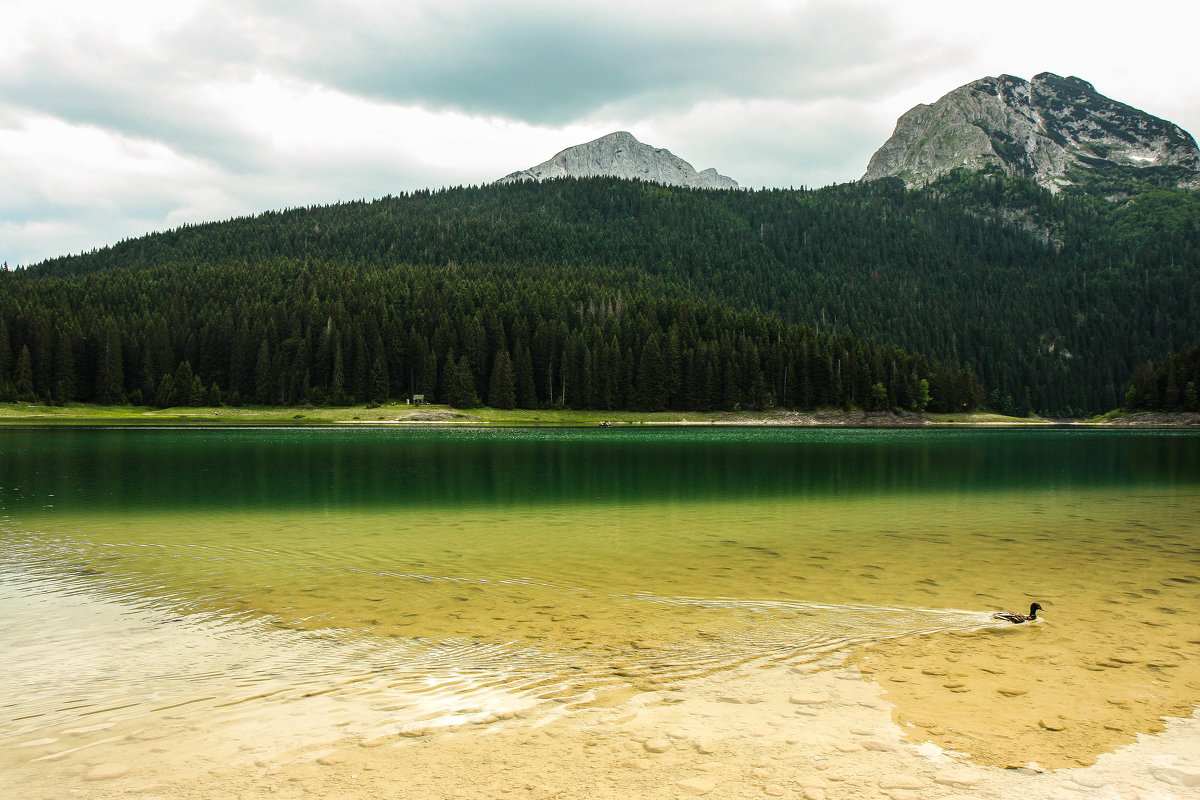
620	155
579	276
1057	131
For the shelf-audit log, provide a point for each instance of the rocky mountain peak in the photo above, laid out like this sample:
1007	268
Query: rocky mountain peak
620	155
1052	129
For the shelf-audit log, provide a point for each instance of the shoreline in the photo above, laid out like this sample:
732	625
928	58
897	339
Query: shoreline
84	415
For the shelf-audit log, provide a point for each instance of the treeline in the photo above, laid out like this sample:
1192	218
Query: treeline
1053	301
282	331
1168	385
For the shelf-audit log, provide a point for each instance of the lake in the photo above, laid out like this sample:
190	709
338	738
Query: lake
291	587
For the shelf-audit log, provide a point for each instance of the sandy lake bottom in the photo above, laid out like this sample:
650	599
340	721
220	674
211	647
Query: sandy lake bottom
731	614
139	661
299	721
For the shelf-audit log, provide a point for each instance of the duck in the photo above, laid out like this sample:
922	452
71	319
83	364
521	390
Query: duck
1009	616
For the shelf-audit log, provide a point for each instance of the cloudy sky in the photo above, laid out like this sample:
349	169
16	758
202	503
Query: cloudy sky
122	117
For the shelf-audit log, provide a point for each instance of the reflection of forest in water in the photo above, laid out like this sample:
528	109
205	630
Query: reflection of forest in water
321	468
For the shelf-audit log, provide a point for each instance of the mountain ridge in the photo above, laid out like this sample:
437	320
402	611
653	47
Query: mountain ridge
621	155
1059	132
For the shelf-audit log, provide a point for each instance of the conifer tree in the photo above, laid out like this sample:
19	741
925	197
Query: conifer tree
5	352
24	375
183	385
502	391
64	368
240	355
460	385
110	369
337	383
526	395
651	377
164	396
379	384
196	395
263	375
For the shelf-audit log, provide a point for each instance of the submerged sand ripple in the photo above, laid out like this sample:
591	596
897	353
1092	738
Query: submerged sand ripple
664	744
764	729
1036	693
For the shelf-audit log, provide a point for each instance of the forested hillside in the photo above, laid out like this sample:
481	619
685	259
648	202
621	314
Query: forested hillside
282	331
584	287
1171	384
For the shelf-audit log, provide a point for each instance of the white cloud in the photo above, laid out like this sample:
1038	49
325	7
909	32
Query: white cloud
775	142
308	127
122	117
77	186
124	24
553	63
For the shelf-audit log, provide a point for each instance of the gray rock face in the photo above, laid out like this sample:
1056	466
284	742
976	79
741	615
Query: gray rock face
619	155
1054	130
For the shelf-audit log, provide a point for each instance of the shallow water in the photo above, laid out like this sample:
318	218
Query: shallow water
411	578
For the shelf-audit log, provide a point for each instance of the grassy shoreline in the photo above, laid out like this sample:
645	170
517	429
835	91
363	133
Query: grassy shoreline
34	414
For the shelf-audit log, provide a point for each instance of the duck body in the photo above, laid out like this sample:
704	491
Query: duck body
1009	616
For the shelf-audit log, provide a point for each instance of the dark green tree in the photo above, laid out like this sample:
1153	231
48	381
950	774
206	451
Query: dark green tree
526	395
5	352
263	375
460	385
183	384
197	395
64	367
164	396
379	385
337	384
502	392
24	375
652	384
110	370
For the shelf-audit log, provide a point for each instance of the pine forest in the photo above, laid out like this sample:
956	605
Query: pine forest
609	294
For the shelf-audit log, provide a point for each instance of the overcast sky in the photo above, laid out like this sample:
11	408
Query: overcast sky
122	117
